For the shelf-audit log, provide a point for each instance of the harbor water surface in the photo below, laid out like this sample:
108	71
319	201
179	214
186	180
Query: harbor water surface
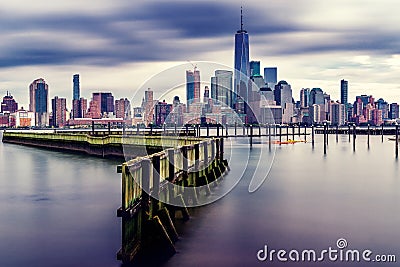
59	209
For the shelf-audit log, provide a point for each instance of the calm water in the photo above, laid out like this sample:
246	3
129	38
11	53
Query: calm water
59	209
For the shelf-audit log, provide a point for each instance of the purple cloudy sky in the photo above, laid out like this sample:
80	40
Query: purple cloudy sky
117	45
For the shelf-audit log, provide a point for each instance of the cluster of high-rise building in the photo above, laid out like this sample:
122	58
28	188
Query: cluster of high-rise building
241	95
102	108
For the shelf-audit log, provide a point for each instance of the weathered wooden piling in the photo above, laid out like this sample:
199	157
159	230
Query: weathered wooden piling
337	133
235	128
397	141
287	132
312	135
269	137
325	138
251	136
354	137
292	132
349	133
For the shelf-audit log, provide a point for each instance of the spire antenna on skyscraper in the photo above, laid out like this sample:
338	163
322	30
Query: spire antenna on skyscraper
241	18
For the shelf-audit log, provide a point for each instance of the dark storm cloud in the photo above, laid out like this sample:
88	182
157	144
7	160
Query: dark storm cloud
156	31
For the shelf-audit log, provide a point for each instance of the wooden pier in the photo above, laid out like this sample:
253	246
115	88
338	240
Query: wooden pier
156	188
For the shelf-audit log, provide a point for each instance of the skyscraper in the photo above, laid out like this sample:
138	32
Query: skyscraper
255	68
123	109
9	104
344	91
394	111
38	96
242	64
59	111
271	76
192	86
221	87
76	87
304	97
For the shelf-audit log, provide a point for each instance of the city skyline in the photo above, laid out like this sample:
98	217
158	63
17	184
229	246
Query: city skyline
315	45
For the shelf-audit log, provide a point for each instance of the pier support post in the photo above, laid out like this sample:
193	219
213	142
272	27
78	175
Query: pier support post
145	188
221	150
287	132
312	135
337	133
251	136
354	137
293	132
156	186
397	141
368	133
269	137
325	126
349	132
185	165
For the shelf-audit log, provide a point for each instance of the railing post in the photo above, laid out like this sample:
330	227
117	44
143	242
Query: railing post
349	133
208	130
280	134
312	135
205	151
324	138
251	135
287	132
397	141
221	150
269	137
212	150
368	135
92	127
145	163
354	137
185	164
217	146
382	132
217	130
293	132
109	128
137	129
196	160
226	130
235	128
156	185
175	130
337	133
